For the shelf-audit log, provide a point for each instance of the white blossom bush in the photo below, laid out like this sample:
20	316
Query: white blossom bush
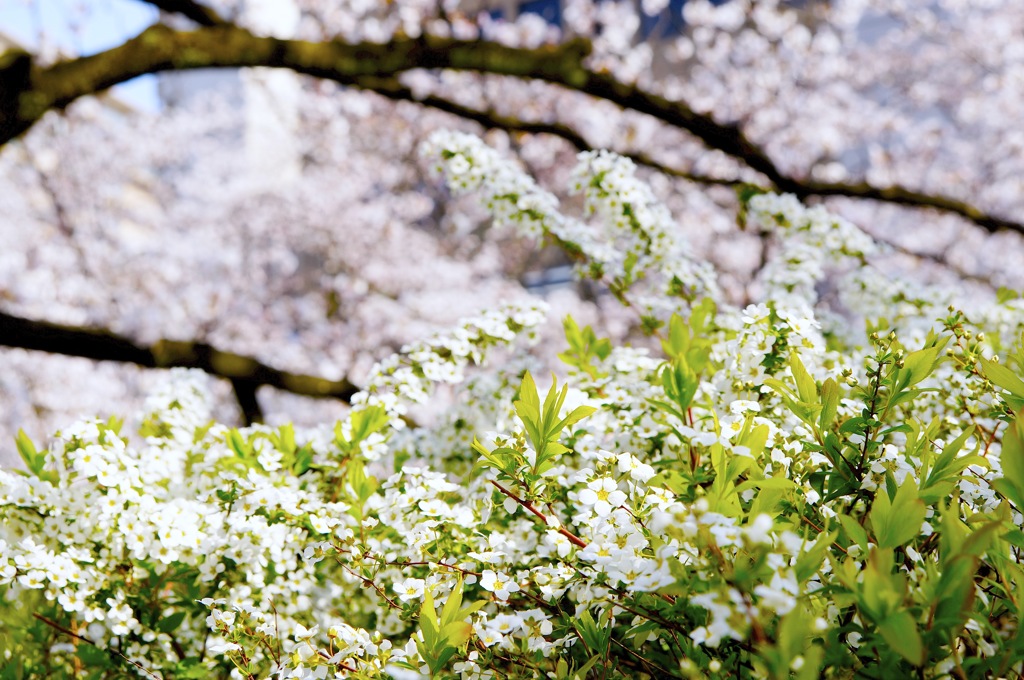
771	494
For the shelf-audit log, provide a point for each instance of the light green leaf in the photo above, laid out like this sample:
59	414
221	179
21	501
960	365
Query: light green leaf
805	386
900	630
897	522
919	365
577	414
945	471
854	531
780	483
829	403
452	606
27	451
1001	376
457	633
238	444
1012	456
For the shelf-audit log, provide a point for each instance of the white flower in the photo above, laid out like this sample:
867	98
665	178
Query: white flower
759	530
640	472
223	647
498	583
409	589
602	494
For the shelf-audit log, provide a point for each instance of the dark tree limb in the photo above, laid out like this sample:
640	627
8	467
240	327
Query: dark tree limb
245	395
490	119
245	373
201	14
30	91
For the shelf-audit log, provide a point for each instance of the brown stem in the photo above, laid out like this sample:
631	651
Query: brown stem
573	538
56	626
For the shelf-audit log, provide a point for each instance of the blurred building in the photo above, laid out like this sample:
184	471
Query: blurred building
267	96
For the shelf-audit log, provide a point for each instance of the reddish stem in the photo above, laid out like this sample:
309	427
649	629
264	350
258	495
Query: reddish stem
573	538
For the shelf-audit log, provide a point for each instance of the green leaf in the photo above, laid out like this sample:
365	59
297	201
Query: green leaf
883	592
981	540
701	316
27	450
900	630
780	483
805	385
678	340
689	343
853	425
552	406
585	348
595	635
1000	376
171	623
807	411
953	532
1012	456
192	668
583	672
367	421
955	592
286	438
829	403
429	625
457	633
238	444
809	561
528	409
897	522
529	399
680	383
1005	294
577	414
919	365
1009	491
946	469
303	460
855	531
450	611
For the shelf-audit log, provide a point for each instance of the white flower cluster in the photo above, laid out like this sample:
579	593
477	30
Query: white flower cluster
811	238
749	501
634	240
510	195
407	376
638	224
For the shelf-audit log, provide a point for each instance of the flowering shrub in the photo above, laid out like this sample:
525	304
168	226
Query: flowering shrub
769	495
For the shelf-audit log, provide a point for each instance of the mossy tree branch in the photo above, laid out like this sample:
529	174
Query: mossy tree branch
29	90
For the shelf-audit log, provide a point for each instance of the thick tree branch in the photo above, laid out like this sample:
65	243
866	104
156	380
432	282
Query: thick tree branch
201	14
25	98
245	373
910	198
248	402
393	89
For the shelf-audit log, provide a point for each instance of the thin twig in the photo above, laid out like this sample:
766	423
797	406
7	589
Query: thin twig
56	626
573	538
